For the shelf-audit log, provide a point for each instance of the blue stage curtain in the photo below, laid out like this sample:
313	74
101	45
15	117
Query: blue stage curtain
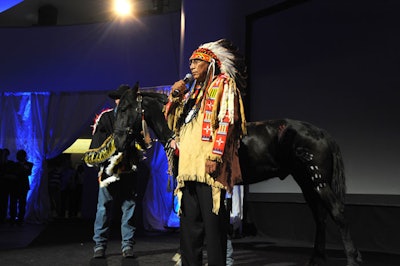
158	198
159	202
22	127
44	124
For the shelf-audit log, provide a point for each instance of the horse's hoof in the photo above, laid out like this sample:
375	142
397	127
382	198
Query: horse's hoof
356	260
359	257
353	263
309	263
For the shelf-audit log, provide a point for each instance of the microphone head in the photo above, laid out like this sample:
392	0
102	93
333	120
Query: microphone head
188	78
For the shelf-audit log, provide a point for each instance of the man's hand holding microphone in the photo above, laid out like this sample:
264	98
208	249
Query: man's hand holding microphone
179	87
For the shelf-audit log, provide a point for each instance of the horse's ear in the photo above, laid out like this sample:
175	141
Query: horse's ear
136	87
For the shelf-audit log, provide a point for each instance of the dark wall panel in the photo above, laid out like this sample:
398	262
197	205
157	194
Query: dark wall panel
96	56
334	64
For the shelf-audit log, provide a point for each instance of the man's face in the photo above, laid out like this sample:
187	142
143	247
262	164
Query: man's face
199	69
117	102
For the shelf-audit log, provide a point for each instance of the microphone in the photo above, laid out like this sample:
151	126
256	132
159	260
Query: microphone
187	79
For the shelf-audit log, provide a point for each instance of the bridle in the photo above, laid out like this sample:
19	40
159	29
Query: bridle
129	129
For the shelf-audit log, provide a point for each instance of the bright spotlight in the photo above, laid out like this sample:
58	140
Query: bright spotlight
123	7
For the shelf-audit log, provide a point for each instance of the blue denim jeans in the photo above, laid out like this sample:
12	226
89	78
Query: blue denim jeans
103	216
229	253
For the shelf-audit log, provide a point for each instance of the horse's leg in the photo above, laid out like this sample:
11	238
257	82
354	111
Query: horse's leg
336	210
309	176
319	214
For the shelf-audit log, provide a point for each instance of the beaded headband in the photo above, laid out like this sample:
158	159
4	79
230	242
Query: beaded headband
205	54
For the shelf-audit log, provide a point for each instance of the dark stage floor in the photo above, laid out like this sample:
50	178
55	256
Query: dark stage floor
68	242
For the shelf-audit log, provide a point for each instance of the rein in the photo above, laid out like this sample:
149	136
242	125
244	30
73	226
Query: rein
145	130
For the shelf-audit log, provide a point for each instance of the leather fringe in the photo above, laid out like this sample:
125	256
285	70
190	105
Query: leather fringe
101	154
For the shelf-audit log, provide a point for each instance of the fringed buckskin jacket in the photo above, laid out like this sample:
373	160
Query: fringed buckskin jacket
211	129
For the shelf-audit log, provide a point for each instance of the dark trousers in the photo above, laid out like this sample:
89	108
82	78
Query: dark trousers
3	204
199	223
18	204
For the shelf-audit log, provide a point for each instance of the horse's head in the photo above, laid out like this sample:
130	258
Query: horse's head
132	108
127	120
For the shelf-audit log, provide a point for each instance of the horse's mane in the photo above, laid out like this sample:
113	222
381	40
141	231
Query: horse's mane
129	97
158	96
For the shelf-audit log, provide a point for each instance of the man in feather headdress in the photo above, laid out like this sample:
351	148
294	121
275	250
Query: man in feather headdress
208	121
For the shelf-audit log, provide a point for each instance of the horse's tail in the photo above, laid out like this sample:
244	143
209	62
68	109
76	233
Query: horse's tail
338	177
101	154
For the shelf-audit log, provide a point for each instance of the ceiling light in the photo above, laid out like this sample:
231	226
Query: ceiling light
123	7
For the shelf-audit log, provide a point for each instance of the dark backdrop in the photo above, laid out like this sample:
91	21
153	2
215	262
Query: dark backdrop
334	64
93	57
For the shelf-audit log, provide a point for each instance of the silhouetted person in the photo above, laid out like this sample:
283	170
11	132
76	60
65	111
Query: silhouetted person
3	188
23	169
54	185
8	180
67	184
76	199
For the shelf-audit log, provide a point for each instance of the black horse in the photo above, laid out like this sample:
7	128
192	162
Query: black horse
273	148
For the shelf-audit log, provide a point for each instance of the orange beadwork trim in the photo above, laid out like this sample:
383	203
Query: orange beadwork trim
205	55
201	56
220	138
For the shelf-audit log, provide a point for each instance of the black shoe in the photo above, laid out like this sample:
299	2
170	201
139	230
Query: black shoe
99	253
128	253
